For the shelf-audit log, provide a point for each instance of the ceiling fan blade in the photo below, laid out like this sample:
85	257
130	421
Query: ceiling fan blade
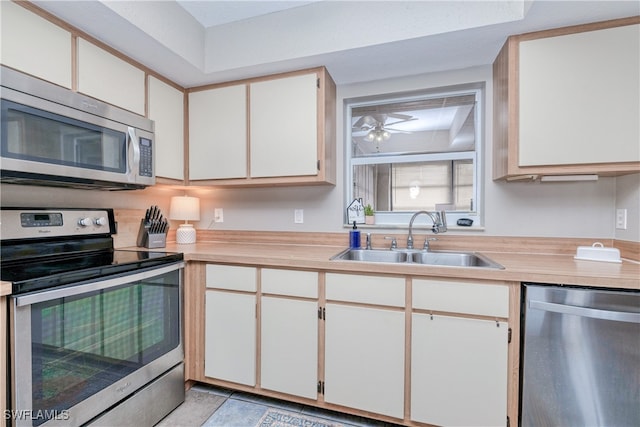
410	119
402	117
397	130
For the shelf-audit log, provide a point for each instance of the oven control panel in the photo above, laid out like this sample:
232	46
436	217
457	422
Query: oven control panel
37	223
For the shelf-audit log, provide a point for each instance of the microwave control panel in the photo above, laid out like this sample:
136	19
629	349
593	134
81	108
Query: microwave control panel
146	157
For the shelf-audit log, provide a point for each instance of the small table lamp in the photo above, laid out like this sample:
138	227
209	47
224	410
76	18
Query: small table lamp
188	209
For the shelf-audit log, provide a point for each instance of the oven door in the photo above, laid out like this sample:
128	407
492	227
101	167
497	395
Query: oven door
79	350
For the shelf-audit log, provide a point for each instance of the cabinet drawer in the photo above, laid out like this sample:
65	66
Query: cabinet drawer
461	297
366	289
290	282
231	277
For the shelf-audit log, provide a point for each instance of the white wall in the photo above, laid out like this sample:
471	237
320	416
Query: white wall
578	209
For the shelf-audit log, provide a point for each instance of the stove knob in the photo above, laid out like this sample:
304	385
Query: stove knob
83	222
101	221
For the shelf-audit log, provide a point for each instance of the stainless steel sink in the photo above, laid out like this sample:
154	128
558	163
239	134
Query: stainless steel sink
372	255
457	259
408	256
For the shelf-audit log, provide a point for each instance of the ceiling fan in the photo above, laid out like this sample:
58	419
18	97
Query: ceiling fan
377	128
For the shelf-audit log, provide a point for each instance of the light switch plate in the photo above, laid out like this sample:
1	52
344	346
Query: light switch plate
218	215
298	216
621	219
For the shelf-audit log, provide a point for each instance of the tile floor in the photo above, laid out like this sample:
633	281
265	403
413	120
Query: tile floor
207	406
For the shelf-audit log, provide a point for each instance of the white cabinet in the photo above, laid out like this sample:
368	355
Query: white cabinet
166	109
274	130
34	45
459	365
566	101
364	345
284	126
230	337
289	332
230	324
109	78
289	346
458	371
218	133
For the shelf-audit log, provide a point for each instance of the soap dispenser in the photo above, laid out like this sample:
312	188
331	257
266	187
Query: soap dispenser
354	237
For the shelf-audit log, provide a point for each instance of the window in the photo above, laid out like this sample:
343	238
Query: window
416	152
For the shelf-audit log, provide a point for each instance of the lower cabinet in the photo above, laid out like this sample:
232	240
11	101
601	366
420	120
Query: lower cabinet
365	342
353	342
230	337
458	371
289	332
364	359
459	360
230	324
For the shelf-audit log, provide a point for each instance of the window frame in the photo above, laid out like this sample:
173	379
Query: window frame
390	219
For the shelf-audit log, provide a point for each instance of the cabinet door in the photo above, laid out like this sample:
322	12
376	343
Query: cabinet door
579	100
364	358
109	78
289	346
230	337
34	45
458	371
284	126
218	133
166	109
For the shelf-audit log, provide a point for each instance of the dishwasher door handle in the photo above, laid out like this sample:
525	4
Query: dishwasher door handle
594	313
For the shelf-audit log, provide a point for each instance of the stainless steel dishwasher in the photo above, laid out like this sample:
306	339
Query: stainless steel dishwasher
580	363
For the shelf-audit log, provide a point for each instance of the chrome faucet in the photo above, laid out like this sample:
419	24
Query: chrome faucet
439	224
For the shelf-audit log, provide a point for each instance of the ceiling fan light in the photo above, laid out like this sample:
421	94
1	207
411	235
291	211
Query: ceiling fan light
386	135
370	136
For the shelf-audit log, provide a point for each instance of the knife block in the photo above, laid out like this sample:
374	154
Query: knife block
149	240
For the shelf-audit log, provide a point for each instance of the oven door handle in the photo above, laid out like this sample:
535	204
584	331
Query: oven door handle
51	294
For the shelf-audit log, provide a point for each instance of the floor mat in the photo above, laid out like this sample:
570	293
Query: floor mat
279	418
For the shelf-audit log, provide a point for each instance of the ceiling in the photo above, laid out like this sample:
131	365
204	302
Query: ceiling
199	42
212	13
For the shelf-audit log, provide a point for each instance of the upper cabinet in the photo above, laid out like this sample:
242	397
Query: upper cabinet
284	126
109	78
32	44
218	133
276	130
166	109
567	102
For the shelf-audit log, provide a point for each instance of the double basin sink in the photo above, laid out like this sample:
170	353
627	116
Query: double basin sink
412	256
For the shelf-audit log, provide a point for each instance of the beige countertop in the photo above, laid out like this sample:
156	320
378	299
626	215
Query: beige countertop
542	268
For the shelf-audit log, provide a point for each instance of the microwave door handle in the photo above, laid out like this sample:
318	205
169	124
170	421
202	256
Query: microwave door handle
594	313
134	144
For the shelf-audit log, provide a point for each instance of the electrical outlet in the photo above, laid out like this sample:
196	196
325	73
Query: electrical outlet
298	216
621	219
218	215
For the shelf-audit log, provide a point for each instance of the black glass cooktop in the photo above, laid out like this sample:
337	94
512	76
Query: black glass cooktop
31	274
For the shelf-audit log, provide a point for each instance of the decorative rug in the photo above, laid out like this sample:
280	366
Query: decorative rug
277	418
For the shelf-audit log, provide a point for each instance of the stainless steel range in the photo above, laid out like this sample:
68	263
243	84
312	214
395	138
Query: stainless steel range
95	333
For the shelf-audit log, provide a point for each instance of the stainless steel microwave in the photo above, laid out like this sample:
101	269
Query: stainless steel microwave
53	136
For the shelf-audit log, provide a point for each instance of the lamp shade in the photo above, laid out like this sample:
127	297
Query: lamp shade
185	208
